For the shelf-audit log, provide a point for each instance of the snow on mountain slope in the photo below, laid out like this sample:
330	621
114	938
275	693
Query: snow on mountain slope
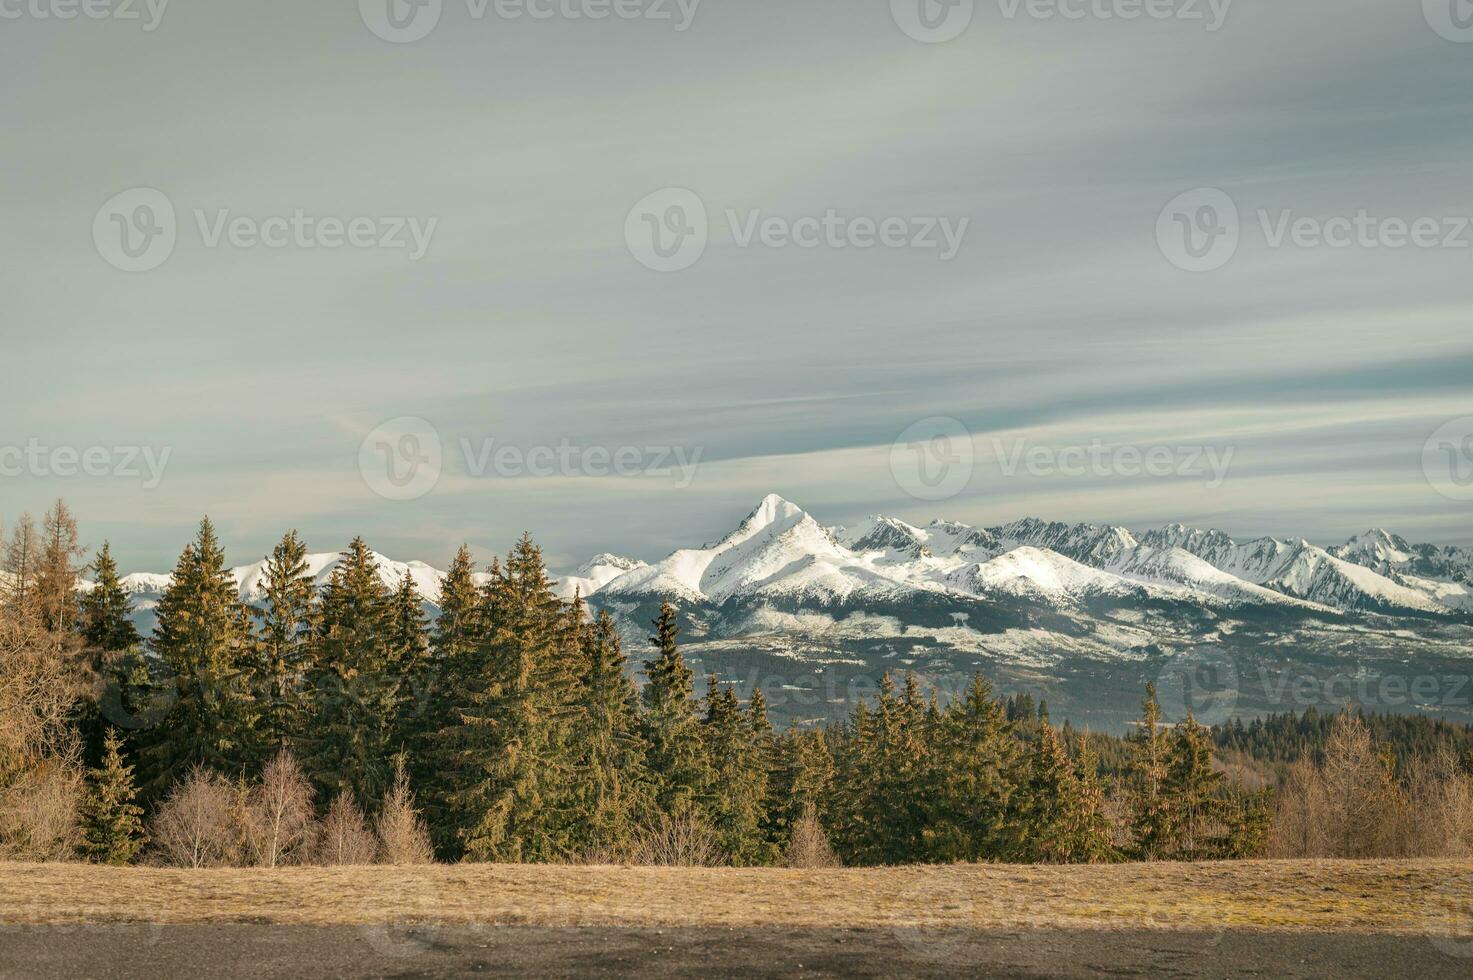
1042	574
594	574
1089	544
1183	567
778	550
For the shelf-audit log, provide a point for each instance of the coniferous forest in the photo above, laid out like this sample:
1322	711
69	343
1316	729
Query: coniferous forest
342	726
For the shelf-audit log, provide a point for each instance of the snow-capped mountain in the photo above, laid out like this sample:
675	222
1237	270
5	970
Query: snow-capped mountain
1090	612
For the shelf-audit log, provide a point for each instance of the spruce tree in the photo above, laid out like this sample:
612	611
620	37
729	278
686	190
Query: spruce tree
353	689
1059	821
736	788
106	612
974	779
1150	808
202	644
612	785
670	725
285	630
514	755
409	656
1192	787
112	823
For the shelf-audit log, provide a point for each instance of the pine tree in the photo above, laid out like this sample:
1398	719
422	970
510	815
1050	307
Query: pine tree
202	644
974	779
1192	786
612	786
1152	819
112	823
736	788
106	612
802	782
1060	821
670	724
409	655
513	749
352	684
285	629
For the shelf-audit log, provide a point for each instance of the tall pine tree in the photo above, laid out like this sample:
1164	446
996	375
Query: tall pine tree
671	727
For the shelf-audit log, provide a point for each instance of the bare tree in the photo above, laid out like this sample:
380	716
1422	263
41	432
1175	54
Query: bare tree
196	826
808	845
1360	796
21	562
402	835
280	824
344	837
41	777
681	841
1299	821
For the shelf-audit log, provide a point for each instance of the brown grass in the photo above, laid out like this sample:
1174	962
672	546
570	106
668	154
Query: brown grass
1387	897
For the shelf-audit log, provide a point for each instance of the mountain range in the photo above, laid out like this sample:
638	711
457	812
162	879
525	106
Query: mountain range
1073	610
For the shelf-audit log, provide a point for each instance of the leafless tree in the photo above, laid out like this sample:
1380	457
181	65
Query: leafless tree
197	826
808	845
678	841
280	824
402	835
344	837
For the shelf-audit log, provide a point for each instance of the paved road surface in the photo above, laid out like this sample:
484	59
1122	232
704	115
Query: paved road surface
229	951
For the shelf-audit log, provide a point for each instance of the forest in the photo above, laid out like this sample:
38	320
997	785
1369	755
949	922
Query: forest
342	726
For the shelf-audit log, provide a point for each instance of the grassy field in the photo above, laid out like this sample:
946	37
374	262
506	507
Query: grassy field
1382	897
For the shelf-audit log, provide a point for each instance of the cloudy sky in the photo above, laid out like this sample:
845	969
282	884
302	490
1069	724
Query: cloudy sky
261	350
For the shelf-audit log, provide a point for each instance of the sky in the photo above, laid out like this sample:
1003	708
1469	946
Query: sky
483	378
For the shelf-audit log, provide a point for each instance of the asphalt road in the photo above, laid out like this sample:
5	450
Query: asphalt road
229	951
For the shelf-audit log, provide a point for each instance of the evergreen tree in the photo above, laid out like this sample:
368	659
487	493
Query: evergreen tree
353	687
112	823
282	645
1059	820
974	778
1151	816
513	750
736	788
409	654
106	612
802	782
670	724
612	786
202	645
1192	787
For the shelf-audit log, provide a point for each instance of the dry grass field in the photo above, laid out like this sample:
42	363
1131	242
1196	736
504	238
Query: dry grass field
1394	898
